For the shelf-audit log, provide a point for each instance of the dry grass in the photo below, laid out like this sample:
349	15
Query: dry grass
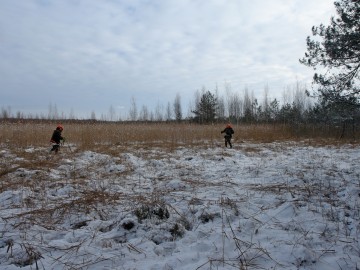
99	136
87	135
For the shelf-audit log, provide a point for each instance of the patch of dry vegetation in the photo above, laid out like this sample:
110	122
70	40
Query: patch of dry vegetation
100	135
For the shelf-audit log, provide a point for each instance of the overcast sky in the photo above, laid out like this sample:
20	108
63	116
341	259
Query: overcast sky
88	55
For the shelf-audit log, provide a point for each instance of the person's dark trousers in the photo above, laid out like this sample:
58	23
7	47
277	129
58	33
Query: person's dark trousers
55	148
228	141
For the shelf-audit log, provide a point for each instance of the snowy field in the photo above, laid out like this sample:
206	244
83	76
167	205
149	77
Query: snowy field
258	206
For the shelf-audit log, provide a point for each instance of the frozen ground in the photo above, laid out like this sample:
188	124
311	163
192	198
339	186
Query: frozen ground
259	206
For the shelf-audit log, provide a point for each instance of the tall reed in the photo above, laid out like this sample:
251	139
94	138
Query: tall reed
88	135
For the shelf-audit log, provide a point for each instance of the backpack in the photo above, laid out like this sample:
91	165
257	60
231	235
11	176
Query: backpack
229	131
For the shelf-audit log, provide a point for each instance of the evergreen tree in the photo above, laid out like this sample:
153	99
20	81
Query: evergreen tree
338	53
205	111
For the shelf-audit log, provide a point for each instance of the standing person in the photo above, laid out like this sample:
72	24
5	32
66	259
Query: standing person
56	138
229	131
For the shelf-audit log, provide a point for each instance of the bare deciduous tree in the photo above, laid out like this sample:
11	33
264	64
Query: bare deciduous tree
177	108
133	113
144	113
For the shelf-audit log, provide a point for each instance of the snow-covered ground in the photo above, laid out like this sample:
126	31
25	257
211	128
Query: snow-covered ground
258	206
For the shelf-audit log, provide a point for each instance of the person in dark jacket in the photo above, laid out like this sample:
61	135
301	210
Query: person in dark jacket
56	138
229	131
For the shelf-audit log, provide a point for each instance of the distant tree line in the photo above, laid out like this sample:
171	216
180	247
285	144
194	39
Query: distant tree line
208	107
297	109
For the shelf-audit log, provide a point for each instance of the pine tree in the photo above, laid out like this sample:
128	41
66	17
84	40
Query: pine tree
338	53
205	111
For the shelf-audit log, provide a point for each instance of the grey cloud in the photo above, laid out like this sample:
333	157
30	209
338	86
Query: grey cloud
137	48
